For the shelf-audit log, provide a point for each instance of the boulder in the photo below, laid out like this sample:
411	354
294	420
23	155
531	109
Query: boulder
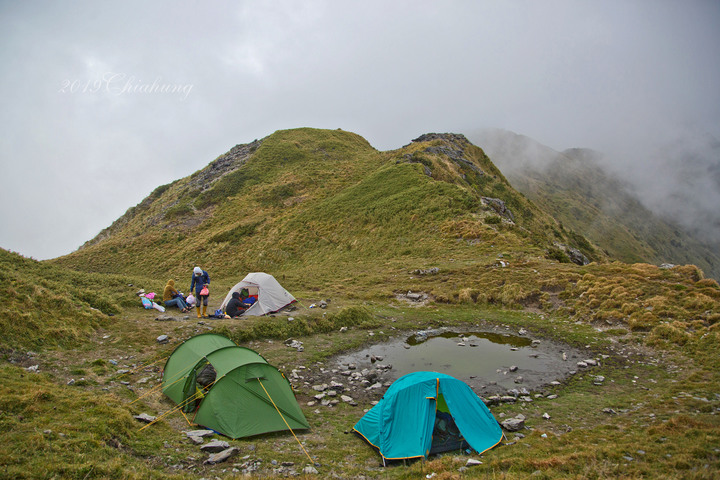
513	424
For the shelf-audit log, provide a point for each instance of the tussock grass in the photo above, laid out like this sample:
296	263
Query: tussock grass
53	431
53	306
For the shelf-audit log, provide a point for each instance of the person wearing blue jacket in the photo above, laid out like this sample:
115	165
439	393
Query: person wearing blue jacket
200	279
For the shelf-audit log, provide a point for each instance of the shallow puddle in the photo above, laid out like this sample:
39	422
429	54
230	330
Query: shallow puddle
490	362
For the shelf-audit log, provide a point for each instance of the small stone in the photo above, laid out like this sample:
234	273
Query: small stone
221	456
513	424
215	446
163	339
472	462
310	470
546	416
144	417
513	368
199	433
348	399
196	440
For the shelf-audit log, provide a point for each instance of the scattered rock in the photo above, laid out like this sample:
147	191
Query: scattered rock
144	417
514	424
310	470
215	446
221	456
199	433
429	271
472	462
163	339
165	318
33	369
348	399
296	344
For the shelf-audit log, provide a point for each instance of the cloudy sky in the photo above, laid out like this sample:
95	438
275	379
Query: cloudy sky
104	101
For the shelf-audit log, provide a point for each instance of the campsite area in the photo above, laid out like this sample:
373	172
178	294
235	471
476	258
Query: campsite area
653	415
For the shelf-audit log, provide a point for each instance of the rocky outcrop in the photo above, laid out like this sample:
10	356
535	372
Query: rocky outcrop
499	207
224	164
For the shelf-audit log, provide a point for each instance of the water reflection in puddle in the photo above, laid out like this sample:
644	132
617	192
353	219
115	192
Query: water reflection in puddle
482	359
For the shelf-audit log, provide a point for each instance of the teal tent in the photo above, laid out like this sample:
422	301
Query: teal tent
232	390
401	425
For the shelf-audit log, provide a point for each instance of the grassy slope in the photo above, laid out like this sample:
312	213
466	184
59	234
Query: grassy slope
332	217
49	305
314	199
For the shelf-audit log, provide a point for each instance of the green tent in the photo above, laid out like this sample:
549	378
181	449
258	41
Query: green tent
240	395
422	412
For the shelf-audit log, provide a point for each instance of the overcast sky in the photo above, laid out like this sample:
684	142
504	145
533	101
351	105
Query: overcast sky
104	101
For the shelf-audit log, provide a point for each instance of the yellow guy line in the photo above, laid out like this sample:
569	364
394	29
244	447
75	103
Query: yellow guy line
286	423
179	406
155	389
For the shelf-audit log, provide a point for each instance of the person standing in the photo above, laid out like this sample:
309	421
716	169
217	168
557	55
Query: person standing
200	285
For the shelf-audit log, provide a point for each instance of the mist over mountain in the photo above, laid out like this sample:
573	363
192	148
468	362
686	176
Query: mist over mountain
659	214
683	184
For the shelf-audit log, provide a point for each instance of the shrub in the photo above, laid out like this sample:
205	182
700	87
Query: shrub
554	253
177	211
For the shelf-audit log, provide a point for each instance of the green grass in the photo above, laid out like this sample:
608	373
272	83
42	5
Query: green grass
331	217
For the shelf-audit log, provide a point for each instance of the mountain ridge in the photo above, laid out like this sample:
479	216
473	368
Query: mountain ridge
584	194
295	186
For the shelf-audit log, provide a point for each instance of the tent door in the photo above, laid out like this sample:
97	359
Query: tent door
446	434
199	381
